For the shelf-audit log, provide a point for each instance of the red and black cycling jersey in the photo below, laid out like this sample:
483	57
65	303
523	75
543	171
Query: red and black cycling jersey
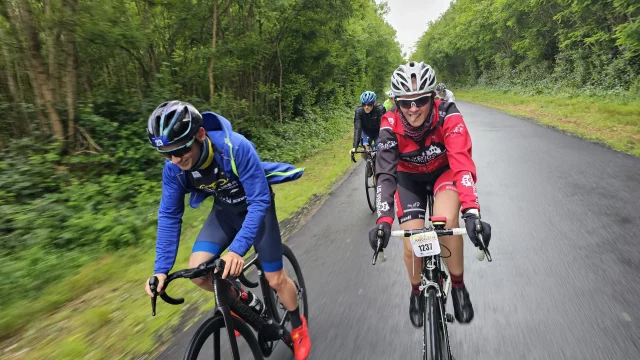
448	145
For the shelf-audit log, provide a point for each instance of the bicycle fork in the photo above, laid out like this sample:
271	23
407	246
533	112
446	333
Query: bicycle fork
223	305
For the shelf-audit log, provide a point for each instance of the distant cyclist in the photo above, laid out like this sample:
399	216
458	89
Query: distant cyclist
444	94
366	122
205	157
390	102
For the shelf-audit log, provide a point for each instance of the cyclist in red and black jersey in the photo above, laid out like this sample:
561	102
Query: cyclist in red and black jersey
425	143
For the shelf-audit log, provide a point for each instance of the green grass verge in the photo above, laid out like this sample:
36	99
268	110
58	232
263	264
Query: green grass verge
612	123
102	312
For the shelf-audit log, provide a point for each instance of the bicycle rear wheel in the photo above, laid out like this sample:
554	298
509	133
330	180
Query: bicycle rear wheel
216	327
432	346
370	186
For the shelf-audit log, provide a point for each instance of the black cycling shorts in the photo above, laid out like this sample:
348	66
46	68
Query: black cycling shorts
411	193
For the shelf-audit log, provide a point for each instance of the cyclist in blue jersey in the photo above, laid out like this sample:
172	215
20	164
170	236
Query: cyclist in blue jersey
205	157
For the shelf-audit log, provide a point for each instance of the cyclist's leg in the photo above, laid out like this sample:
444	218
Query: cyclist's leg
269	248
411	204
374	140
213	239
410	210
364	142
447	203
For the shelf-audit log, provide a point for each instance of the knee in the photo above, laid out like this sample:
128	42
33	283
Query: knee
453	220
277	280
408	252
202	281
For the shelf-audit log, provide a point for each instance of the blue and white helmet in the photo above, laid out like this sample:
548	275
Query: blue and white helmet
172	122
367	97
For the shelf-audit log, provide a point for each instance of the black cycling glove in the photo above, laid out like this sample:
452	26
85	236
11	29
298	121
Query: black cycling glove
373	235
476	226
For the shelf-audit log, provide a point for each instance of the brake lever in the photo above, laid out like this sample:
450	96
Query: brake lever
483	250
379	250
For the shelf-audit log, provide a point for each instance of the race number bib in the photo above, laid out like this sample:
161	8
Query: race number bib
425	244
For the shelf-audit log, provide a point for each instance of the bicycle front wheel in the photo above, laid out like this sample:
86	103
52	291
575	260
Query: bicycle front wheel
215	329
432	346
370	186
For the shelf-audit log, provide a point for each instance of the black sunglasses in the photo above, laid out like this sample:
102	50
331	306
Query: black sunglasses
367	104
418	102
179	151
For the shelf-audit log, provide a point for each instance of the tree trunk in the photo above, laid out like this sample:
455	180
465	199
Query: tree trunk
15	94
280	92
229	16
250	90
143	12
213	50
37	97
248	24
52	38
71	77
23	20
20	128
19	63
87	87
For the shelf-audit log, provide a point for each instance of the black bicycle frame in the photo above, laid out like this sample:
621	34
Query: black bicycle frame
226	302
267	329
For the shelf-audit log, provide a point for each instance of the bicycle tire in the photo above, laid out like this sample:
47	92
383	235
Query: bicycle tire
431	327
214	323
371	199
444	332
288	254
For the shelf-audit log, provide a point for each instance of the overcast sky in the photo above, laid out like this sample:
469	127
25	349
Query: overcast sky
410	17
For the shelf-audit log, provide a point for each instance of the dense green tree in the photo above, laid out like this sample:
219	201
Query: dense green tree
537	44
78	79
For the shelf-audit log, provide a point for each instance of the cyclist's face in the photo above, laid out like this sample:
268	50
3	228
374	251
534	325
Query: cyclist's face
368	107
189	158
415	108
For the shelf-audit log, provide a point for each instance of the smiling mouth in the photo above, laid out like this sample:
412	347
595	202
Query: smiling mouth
414	117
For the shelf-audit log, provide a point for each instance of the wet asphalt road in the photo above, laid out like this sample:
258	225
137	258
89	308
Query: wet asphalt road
565	278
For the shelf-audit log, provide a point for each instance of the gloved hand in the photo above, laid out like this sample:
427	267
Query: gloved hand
475	226
373	235
351	154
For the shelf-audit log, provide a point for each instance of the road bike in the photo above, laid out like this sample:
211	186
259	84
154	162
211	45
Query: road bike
369	175
435	280
268	318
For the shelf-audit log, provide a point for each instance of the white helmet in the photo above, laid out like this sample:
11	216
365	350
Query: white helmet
425	76
390	93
